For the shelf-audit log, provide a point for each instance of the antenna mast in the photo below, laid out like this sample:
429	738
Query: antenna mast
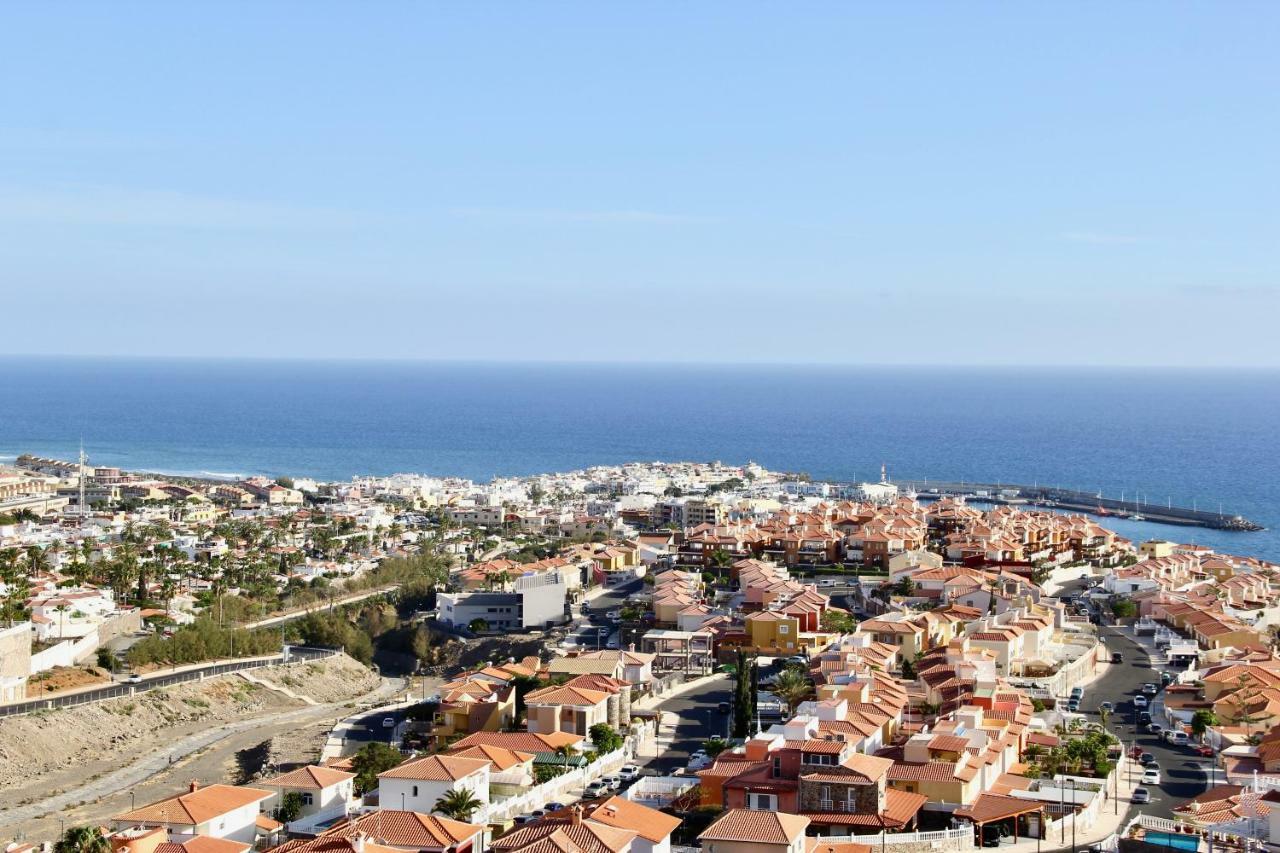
84	508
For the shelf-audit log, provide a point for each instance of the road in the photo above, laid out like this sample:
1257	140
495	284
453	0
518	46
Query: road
1181	771
697	720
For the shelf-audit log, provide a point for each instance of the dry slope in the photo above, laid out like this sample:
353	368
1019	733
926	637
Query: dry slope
89	740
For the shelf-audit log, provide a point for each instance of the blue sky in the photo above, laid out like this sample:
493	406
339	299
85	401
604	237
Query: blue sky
982	183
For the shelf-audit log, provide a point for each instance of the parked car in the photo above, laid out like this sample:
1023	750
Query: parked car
1073	706
1177	738
1116	657
1106	706
1077	692
1151	689
1139	702
1205	750
595	790
614	614
1146	758
1166	678
723	707
553	806
1151	777
522	819
539	813
1155	729
388	722
1144	718
612	782
629	773
1140	795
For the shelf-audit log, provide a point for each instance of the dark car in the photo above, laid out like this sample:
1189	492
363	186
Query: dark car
1116	657
1144	718
1146	758
723	707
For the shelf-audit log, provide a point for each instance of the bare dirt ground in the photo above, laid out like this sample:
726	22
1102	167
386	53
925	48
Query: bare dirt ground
65	678
60	754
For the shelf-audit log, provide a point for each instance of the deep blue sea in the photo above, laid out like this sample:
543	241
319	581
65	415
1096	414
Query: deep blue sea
1203	436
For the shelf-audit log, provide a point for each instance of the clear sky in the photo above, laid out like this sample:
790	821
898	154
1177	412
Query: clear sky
847	182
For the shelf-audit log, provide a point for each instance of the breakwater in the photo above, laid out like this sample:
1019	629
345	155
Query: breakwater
1071	500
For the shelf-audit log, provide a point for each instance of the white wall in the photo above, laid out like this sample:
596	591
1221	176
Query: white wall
390	791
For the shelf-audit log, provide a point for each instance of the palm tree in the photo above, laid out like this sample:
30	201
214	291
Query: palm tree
791	686
82	839
458	804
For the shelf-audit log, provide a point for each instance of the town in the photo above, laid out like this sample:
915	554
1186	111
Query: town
643	658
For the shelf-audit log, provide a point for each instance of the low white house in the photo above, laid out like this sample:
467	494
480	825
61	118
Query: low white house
419	783
216	811
324	791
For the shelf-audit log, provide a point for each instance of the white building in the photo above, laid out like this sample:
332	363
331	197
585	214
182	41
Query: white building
419	783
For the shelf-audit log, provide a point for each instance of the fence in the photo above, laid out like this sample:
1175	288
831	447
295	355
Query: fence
959	838
66	653
539	795
116	691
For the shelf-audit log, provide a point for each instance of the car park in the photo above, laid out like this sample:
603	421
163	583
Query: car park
1140	796
1151	777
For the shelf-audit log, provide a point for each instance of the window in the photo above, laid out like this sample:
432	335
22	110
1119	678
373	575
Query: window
415	790
307	798
820	758
762	802
777	765
784	629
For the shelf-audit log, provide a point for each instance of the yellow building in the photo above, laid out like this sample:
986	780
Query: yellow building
771	630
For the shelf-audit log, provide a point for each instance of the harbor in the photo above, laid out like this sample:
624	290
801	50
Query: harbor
1071	500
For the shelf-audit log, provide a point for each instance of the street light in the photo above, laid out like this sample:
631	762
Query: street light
1073	814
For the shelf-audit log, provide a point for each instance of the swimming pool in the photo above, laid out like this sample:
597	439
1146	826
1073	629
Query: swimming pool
1173	839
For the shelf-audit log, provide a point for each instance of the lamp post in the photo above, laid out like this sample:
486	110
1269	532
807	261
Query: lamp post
1062	812
1073	815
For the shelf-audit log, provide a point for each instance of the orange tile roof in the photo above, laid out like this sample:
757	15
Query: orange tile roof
648	823
404	829
435	768
309	777
756	826
195	807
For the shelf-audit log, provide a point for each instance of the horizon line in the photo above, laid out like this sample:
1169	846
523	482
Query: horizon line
685	363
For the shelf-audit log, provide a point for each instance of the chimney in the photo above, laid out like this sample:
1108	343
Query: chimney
575	817
357	842
631	647
193	787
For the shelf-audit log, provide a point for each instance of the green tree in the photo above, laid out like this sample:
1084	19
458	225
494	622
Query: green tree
905	586
82	839
714	746
743	687
792	686
1123	607
838	621
1201	721
371	760
605	738
290	808
477	626
458	804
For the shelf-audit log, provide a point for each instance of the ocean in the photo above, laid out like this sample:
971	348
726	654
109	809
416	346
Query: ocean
1207	437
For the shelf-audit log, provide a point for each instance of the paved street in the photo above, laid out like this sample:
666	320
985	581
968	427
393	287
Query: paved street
697	720
1180	769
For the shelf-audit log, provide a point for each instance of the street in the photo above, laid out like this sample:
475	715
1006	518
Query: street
1180	769
698	721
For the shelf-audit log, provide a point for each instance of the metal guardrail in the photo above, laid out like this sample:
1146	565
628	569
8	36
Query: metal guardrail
116	691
